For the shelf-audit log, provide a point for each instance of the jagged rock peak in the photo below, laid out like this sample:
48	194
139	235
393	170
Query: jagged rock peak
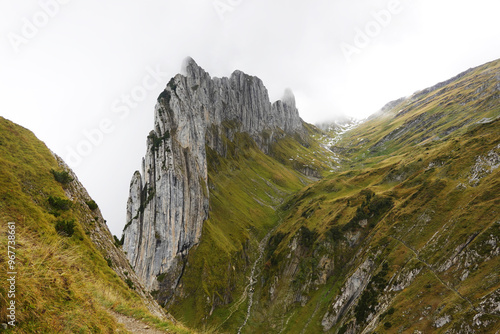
169	200
241	97
192	70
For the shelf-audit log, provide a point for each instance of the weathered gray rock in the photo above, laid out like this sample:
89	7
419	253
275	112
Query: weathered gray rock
168	201
440	322
351	290
485	165
95	226
405	278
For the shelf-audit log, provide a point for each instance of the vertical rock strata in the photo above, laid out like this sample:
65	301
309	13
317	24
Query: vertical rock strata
168	201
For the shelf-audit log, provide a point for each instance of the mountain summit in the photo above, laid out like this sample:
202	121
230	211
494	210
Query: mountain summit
245	219
169	200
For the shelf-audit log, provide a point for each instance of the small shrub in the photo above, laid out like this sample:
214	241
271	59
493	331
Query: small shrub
129	283
110	263
65	227
372	209
307	237
387	325
55	213
368	193
62	177
157	141
118	242
92	205
343	329
59	203
380	205
165	95
274	242
160	278
366	305
388	312
172	84
335	233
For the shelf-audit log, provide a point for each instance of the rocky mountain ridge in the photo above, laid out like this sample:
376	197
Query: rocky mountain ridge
169	200
396	232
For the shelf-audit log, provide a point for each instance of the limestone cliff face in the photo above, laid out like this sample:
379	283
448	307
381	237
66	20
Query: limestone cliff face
168	201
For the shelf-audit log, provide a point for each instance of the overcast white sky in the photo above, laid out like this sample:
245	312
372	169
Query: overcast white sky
70	66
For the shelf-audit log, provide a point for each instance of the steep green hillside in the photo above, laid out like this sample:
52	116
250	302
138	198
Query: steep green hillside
247	187
405	237
391	227
63	256
426	232
402	235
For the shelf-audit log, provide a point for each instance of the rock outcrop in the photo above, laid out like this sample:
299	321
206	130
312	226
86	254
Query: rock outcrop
169	200
351	290
96	228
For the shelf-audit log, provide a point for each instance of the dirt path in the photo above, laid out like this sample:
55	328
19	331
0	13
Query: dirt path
135	326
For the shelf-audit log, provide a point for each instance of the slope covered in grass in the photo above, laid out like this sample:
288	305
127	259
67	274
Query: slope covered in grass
432	227
405	236
64	253
247	188
396	230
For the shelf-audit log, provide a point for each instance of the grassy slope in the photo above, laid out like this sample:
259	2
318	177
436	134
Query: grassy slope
406	172
247	188
425	169
425	203
64	284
